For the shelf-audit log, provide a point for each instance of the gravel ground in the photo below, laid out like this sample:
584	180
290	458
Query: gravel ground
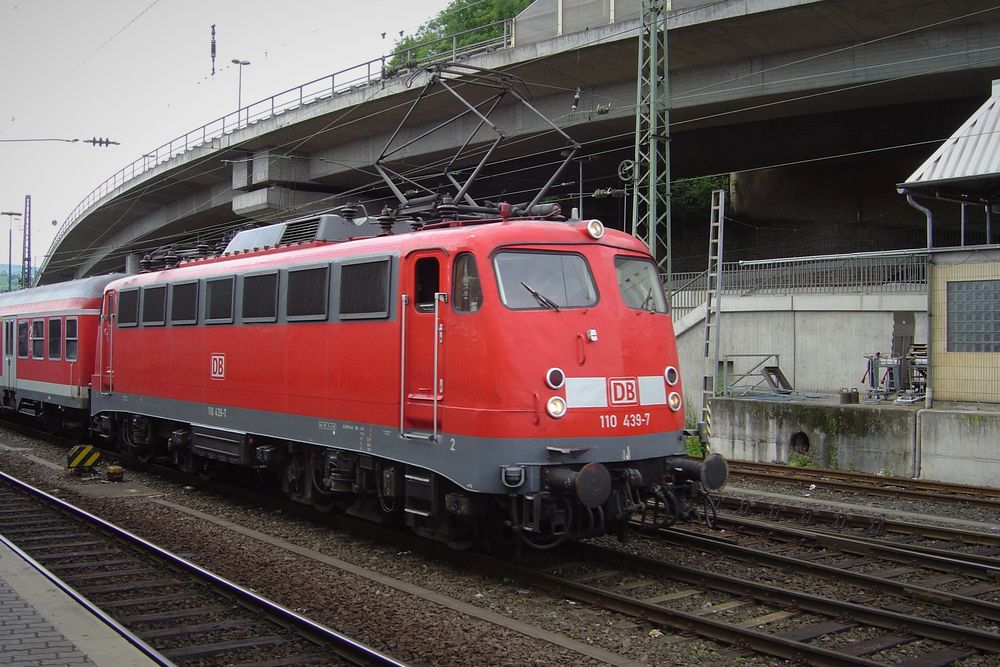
408	627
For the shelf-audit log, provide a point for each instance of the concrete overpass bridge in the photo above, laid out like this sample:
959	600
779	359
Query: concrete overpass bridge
755	84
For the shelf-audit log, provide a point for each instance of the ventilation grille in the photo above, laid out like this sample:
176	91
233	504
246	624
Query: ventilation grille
300	230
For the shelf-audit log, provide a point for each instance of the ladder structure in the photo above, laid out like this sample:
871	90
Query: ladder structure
713	307
651	164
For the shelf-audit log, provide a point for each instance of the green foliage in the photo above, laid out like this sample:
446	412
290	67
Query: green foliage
691	198
459	16
692	444
802	460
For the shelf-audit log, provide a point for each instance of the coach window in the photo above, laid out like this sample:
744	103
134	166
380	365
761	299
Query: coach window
307	293
71	339
154	306
37	339
364	290
55	338
219	301
184	303
22	339
426	282
260	298
128	308
468	292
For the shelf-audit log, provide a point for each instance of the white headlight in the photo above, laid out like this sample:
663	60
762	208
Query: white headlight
595	228
556	407
674	401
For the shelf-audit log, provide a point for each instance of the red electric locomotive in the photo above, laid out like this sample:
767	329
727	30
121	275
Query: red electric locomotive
519	375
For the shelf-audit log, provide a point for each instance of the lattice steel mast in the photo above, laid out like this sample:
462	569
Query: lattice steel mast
26	248
651	166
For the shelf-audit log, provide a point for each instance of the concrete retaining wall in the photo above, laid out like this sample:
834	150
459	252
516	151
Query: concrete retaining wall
958	446
874	439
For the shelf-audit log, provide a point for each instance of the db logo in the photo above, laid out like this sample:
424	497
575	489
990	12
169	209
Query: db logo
624	391
218	367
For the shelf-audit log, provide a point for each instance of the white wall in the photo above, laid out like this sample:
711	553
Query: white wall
821	339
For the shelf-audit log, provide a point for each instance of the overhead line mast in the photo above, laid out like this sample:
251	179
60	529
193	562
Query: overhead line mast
651	165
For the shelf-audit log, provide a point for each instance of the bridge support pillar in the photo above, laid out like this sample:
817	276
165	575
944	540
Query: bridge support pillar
267	185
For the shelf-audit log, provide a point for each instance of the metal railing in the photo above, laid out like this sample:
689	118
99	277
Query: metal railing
357	76
870	272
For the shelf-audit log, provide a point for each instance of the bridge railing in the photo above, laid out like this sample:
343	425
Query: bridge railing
871	272
356	76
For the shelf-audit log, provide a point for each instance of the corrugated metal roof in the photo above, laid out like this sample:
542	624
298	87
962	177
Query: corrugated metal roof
972	152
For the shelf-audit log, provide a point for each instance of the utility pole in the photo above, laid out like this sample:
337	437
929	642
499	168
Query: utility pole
651	166
26	249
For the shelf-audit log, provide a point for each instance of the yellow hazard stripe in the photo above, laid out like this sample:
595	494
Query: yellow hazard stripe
92	460
77	456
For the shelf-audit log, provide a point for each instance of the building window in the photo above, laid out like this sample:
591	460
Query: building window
364	290
128	308
468	292
37	339
184	303
260	298
55	338
154	306
22	339
71	339
307	293
219	297
974	316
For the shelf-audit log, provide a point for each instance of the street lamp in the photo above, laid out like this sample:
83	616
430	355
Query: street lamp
239	90
10	243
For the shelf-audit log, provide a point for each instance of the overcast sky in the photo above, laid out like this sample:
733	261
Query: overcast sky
140	72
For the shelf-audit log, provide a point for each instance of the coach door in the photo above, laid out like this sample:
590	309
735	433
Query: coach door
105	365
9	353
422	316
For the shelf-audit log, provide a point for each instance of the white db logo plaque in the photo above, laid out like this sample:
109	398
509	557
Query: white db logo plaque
218	366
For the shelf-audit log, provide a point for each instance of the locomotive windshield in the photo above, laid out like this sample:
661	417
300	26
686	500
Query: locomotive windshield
640	284
538	280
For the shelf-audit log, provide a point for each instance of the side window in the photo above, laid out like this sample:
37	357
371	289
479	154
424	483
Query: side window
128	308
260	298
71	339
22	339
306	295
219	301
364	290
184	303
154	306
426	282
467	294
55	338
37	339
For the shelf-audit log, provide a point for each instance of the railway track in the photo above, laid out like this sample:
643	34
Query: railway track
892	487
173	610
975	546
765	618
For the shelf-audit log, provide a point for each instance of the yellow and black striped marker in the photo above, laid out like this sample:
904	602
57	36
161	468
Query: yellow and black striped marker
82	456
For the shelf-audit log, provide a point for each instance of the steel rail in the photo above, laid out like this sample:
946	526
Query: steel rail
897	487
345	646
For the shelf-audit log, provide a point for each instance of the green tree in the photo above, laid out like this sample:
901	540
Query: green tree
474	16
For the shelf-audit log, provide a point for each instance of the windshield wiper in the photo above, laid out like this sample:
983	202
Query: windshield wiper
540	298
